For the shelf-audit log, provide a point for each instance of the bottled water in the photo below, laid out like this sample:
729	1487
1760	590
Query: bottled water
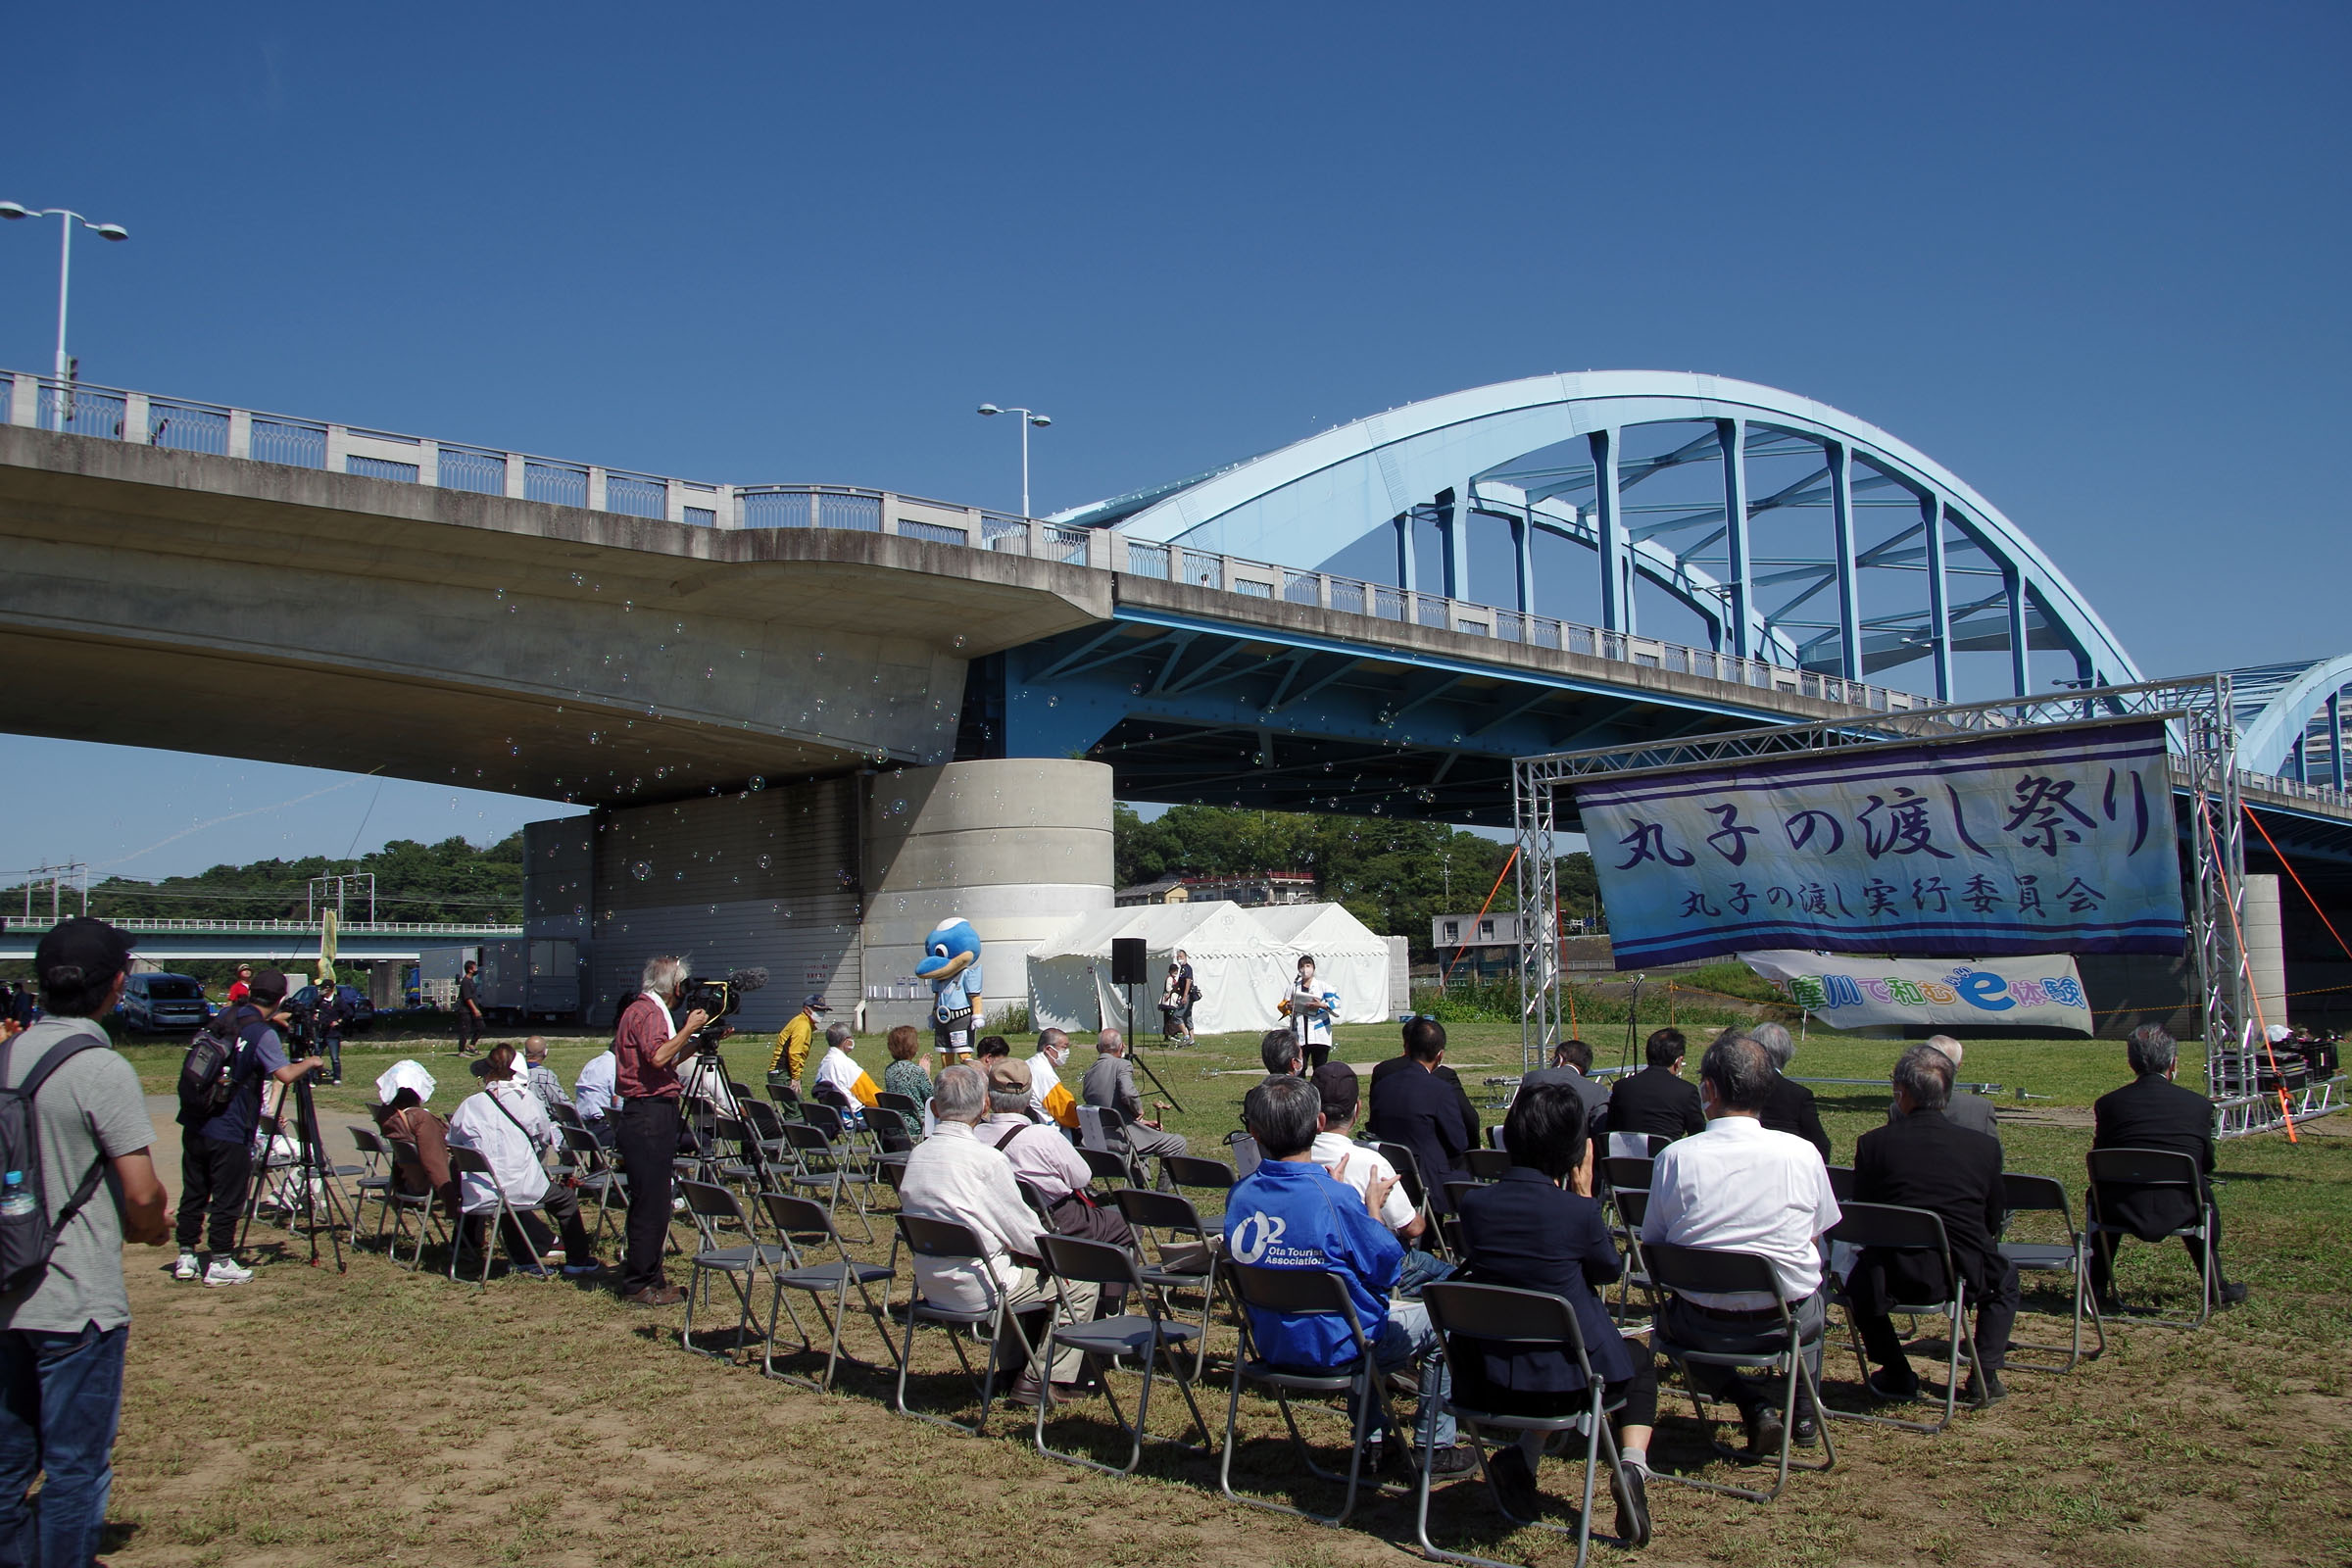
16	1196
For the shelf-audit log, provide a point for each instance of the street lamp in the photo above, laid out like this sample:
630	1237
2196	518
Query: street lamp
1029	417
65	273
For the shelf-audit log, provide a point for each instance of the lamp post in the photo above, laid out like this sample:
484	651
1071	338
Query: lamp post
1029	417
65	273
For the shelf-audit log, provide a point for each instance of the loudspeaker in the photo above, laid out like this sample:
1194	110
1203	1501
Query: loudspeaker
1127	961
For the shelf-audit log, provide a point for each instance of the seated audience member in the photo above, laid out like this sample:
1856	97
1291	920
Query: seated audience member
1383	1071
598	1093
989	1049
1425	1113
1042	1156
2153	1112
419	1137
508	1127
1290	1213
1740	1187
1538	1229
1964	1109
953	1175
1360	1166
840	1082
1572	1065
1047	1099
1279	1051
1656	1102
542	1078
1922	1161
1790	1110
1110	1084
908	1074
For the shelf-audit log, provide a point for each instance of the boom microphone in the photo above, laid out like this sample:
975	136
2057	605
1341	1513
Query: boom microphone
747	979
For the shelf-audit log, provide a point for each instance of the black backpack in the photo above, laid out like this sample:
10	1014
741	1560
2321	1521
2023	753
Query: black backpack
27	1235
206	1072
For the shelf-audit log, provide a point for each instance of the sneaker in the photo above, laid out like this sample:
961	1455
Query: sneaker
1806	1434
580	1271
226	1270
1454	1461
188	1267
533	1270
1629	1486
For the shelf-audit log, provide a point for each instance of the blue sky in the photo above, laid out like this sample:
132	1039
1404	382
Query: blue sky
2089	257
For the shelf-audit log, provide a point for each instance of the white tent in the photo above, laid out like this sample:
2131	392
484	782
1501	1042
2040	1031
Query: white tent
1240	962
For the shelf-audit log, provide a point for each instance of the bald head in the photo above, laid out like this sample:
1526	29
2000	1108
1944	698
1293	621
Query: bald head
1109	1044
1951	1047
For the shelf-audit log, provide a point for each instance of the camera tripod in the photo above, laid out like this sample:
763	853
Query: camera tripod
321	1196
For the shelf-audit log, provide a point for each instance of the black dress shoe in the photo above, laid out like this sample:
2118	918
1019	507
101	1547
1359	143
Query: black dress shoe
1514	1481
2231	1295
1983	1389
1893	1385
1629	1486
1764	1433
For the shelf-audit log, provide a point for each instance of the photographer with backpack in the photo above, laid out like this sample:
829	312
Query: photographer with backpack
220	1106
75	1183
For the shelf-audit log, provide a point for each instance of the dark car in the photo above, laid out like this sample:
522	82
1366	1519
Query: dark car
358	1011
156	1002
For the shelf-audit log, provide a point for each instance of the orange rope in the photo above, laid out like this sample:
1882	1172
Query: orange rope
2245	961
2298	881
1512	860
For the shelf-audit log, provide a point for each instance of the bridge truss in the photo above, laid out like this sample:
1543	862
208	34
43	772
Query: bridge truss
2199	714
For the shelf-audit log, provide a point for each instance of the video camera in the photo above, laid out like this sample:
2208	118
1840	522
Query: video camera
718	999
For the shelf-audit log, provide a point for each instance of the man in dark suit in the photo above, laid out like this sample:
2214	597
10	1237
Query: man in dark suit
1414	1107
2154	1112
1571	1061
1924	1161
1965	1108
1426	1028
1790	1108
1657	1101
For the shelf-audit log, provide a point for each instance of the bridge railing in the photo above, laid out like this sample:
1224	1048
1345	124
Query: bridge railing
180	425
170	926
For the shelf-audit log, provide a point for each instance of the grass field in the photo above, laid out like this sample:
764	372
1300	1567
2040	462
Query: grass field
313	1418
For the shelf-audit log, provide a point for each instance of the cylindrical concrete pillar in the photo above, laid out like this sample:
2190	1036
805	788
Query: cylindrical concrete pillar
1018	847
2266	947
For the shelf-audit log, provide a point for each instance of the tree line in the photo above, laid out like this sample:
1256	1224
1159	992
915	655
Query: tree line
1396	876
450	881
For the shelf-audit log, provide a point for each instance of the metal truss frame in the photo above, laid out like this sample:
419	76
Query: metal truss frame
2203	741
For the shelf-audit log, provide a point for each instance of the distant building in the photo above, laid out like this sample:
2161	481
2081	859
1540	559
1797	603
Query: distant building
1167	890
1497	928
1255	888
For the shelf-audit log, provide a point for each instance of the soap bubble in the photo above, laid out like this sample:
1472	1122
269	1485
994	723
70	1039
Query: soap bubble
643	870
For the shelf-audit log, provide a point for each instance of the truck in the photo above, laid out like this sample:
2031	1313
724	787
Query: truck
528	978
438	970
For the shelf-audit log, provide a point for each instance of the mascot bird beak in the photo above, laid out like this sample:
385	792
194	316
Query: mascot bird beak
940	964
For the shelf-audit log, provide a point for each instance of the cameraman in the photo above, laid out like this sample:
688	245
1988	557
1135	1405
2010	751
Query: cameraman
646	1041
322	1021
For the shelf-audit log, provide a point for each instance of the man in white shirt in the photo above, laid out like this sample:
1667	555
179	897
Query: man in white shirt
1046	1097
1740	1187
594	1093
508	1126
1337	1151
954	1175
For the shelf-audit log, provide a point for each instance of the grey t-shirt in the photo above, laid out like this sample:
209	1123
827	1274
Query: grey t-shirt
92	1106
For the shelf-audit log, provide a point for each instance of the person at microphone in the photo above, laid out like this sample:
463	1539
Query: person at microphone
1310	1009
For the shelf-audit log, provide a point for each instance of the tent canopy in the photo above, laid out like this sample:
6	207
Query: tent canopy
1243	960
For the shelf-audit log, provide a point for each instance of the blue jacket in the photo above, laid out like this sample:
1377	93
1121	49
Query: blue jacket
1291	1215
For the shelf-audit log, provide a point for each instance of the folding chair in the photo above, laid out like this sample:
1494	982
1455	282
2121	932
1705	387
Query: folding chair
765	1123
1147	1337
747	1167
425	1206
1245	1154
832	1113
905	1105
1453	1194
719	1216
1191	1170
593	1171
1891	1228
1182	1265
1361	1382
1841	1183
464	1162
563	1115
2117	1173
2024	1195
786	1099
1493	1315
949	1239
802	1224
893	1137
818	1162
1691	1268
1633	1208
1416	1191
1109	1168
1487	1165
376	1178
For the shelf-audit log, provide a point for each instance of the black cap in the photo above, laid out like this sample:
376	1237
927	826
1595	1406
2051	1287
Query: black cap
269	985
90	950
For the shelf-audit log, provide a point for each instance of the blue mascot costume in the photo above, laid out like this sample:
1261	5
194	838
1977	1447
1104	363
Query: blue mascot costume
950	962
